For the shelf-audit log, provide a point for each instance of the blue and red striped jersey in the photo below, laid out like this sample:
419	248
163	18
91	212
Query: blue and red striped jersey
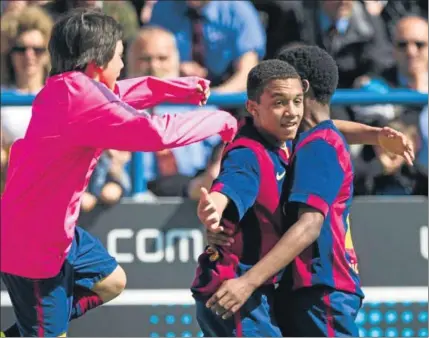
252	175
321	176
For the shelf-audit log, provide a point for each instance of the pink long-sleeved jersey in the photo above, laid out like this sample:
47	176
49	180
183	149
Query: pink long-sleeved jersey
74	118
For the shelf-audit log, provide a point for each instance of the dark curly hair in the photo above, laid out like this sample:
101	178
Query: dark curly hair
266	71
315	65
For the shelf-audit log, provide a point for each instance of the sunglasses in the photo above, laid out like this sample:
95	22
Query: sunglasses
23	49
404	44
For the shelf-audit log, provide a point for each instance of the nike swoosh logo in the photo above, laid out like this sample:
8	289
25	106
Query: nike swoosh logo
280	176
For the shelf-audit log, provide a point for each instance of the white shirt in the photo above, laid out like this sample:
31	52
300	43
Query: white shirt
15	121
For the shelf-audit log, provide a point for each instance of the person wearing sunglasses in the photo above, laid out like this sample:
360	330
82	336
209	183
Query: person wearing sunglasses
411	71
25	64
27	60
411	53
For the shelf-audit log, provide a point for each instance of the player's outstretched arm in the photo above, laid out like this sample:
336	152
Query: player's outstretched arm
99	119
391	140
210	209
120	129
237	183
148	91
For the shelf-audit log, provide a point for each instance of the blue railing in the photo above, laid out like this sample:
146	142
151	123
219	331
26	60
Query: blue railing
341	97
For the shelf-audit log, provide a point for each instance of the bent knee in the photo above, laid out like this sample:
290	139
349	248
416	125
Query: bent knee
111	286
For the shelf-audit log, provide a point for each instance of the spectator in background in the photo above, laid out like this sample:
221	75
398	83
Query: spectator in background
219	40
16	6
179	171
109	181
278	18
380	173
349	31
393	11
26	58
356	40
13	6
410	41
26	63
153	52
410	70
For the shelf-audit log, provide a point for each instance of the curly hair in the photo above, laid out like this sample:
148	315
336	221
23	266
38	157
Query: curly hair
13	26
266	71
315	65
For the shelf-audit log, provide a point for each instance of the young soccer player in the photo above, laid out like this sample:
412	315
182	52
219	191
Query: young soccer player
320	293
248	198
53	271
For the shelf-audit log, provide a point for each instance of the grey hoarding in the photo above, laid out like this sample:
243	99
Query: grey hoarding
158	245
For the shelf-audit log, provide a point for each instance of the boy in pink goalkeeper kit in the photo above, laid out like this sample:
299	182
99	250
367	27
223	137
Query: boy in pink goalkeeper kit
55	272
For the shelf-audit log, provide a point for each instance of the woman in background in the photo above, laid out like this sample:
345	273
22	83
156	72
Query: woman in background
25	63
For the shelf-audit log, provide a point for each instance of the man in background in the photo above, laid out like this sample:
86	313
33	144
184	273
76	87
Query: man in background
218	40
180	171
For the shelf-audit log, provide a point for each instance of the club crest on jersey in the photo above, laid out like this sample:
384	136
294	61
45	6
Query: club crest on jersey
213	253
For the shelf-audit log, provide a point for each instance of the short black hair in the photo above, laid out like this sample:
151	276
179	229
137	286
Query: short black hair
315	65
266	71
82	36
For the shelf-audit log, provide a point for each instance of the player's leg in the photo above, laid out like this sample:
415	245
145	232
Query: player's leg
283	310
341	310
257	315
324	312
42	307
212	325
98	277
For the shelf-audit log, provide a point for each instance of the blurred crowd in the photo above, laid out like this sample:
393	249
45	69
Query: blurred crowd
379	46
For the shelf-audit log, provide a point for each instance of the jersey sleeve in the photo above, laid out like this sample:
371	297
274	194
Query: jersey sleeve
318	176
239	179
148	91
98	118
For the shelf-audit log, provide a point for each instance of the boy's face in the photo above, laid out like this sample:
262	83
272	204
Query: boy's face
280	108
111	72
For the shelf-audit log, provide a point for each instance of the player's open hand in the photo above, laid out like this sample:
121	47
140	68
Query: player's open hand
397	143
204	92
207	212
230	297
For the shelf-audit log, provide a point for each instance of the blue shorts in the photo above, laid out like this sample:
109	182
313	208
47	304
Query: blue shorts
255	318
43	306
317	312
